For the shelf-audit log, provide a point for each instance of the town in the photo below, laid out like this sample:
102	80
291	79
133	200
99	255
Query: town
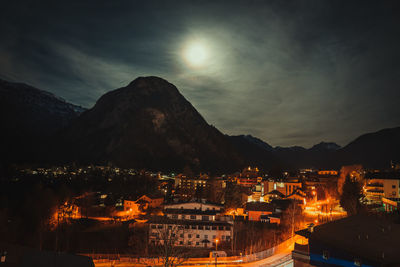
116	215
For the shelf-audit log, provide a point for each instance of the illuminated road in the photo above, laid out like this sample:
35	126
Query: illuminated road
282	257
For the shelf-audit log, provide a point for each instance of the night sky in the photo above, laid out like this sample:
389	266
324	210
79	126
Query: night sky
288	72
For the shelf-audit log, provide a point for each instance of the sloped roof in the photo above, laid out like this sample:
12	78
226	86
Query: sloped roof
259	206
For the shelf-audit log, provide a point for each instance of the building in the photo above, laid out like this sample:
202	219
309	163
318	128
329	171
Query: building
271	218
152	201
286	187
133	208
381	184
193	224
361	240
249	177
190	233
328	173
274	194
254	210
391	204
199	187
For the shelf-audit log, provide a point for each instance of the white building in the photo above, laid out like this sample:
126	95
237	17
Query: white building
190	233
192	224
382	184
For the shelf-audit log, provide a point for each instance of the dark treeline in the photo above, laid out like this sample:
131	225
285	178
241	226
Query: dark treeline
29	200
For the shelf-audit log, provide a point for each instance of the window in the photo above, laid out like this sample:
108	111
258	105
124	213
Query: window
393	186
220	228
180	242
228	238
193	217
189	236
200	227
207	227
181	235
173	235
169	226
214	236
189	243
186	226
174	216
205	236
197	243
227	228
204	218
183	217
197	236
214	227
193	227
159	226
325	255
223	237
153	226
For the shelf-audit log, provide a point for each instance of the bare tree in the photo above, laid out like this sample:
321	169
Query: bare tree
166	244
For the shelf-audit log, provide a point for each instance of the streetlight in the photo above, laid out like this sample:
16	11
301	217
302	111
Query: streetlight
216	251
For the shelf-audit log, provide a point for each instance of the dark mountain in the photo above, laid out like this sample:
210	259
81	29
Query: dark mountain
147	124
255	151
373	150
325	147
28	117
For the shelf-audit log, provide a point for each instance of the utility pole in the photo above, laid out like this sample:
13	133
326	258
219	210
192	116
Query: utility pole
216	251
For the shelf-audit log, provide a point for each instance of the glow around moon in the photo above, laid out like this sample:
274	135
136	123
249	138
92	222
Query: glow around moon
196	54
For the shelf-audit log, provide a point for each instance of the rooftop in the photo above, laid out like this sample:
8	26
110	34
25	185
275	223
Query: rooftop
191	211
392	175
367	236
259	206
165	220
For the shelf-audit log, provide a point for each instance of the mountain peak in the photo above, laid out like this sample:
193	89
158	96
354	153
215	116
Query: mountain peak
326	146
152	84
148	124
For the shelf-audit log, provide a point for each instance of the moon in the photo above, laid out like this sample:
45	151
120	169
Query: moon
196	54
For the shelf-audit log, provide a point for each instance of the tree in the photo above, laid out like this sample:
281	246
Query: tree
352	196
166	246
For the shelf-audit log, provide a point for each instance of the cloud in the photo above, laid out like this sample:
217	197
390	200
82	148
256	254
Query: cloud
290	73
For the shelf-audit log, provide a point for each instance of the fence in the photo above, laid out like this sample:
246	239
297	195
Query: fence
99	258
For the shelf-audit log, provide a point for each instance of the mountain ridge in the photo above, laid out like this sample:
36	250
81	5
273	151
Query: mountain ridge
151	117
148	124
29	116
